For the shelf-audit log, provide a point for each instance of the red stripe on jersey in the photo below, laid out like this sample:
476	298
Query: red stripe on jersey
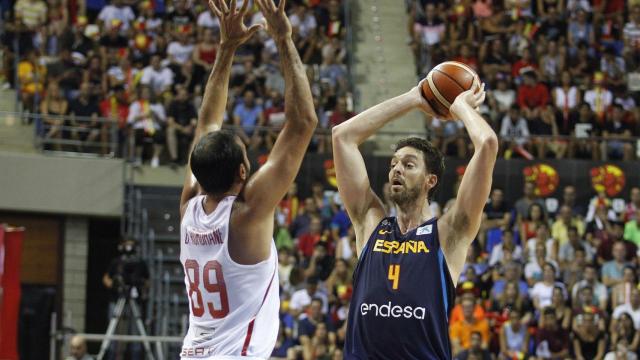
247	338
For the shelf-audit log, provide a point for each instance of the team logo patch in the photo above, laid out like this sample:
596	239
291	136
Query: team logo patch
425	230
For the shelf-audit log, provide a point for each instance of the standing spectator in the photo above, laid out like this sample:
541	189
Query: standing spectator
157	77
533	96
461	332
181	124
147	118
117	10
514	132
30	16
87	129
589	341
599	98
205	52
552	342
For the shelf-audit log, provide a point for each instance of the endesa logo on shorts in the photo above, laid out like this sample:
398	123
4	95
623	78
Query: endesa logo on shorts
389	310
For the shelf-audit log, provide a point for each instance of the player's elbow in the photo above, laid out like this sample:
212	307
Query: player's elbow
489	143
339	133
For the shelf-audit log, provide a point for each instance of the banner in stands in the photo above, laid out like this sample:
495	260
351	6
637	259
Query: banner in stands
10	256
549	176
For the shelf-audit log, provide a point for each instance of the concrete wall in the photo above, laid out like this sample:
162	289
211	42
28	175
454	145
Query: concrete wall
76	235
59	185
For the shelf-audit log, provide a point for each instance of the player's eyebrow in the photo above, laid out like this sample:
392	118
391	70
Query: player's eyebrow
409	157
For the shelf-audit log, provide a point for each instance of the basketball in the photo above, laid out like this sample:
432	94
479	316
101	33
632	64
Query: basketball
445	82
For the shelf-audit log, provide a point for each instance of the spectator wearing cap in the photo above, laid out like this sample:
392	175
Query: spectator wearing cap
461	332
117	10
598	290
552	342
613	271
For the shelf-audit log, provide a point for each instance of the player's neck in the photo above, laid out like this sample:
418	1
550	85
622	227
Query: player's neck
410	216
211	201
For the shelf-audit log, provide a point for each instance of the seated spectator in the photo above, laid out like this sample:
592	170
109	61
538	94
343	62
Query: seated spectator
567	253
339	280
552	62
621	351
147	118
461	332
284	343
475	350
181	124
321	345
31	77
457	313
512	272
617	143
632	207
496	215
113	40
536	217
574	270
156	76
501	100
542	238
533	271
511	299
599	97
525	67
544	130
301	223
449	136
205	52
523	204
621	293
181	50
552	342
94	75
632	229
321	262
566	98
314	318
246	116
87	128
581	144
542	291
514	132
598	290
565	221
625	331
612	271
301	299
589	340
180	16
580	30
514	337
497	253
560	303
632	308
533	96
53	108
117	10
308	240
613	67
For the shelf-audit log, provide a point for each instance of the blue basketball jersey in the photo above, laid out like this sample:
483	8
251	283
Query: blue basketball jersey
402	296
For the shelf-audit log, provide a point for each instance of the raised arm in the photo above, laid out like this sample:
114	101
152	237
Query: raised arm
460	225
272	181
233	33
363	205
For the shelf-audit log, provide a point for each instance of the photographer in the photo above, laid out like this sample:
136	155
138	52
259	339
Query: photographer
128	277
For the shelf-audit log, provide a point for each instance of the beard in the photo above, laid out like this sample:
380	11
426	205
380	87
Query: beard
406	196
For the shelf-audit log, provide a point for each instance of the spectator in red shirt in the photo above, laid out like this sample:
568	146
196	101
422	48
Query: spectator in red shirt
524	65
307	241
467	57
339	115
533	96
116	107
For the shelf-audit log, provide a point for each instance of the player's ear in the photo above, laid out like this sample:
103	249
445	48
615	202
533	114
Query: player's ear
431	181
243	172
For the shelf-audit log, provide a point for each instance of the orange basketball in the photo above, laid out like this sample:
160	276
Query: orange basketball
445	82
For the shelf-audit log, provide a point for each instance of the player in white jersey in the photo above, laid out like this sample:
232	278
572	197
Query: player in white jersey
227	250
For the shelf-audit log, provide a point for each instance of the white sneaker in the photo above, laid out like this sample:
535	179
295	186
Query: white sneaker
155	162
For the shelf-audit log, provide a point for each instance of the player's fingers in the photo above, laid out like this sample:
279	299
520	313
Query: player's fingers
245	6
261	6
223	6
281	6
270	5
233	8
253	29
216	11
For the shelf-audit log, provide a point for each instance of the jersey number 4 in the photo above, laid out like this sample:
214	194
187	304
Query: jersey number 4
197	306
394	275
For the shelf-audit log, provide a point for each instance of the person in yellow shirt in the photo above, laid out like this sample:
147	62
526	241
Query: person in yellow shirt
32	76
565	219
460	332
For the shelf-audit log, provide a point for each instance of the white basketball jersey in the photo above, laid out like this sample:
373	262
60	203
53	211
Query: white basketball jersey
233	307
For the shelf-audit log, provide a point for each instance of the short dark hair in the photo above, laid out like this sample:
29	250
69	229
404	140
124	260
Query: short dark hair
215	161
433	158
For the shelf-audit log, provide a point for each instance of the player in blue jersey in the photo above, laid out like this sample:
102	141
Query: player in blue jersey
409	264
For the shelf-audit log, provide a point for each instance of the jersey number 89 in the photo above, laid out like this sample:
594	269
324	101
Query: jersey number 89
197	307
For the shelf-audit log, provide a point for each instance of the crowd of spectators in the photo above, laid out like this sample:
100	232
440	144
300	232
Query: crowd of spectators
562	75
144	64
537	283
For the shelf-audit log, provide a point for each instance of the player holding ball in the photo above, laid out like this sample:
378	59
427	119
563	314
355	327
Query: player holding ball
409	264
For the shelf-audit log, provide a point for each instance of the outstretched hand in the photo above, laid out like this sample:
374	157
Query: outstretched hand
277	23
232	28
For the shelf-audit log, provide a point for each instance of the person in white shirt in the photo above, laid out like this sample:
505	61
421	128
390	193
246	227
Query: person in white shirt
302	298
147	117
497	253
591	279
514	130
542	291
632	308
157	77
180	51
303	20
116	11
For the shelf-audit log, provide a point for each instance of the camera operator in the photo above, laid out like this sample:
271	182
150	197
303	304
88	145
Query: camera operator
127	277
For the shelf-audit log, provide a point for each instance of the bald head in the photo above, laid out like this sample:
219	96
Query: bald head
78	347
